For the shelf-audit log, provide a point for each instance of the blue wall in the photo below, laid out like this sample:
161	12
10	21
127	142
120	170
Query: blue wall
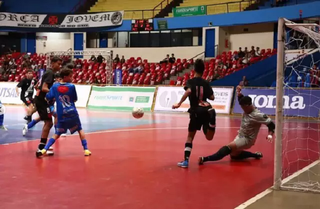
259	74
39	6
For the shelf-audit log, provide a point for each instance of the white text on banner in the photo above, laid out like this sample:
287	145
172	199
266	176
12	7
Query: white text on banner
121	98
168	96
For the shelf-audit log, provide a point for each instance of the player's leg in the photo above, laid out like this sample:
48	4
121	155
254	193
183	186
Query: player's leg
84	143
234	149
2	118
209	124
46	148
242	144
194	125
45	115
30	125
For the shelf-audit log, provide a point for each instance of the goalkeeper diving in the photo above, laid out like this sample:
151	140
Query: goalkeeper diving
250	126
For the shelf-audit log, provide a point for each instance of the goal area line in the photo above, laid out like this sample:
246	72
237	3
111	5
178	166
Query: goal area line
283	188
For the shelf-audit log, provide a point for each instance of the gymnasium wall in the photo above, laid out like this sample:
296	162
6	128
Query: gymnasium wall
258	35
46	42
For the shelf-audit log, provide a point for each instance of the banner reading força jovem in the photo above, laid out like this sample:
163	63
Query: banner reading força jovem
61	21
296	102
121	97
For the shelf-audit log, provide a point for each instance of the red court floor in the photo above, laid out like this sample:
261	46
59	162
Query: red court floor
131	167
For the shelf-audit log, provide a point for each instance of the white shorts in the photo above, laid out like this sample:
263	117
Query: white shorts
244	143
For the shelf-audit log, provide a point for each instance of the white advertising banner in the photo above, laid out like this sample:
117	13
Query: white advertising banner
121	98
168	96
8	94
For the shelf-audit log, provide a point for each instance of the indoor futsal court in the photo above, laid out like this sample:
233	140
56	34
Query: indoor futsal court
134	165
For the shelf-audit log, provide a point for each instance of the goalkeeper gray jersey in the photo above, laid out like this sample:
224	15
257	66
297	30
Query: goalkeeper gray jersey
251	123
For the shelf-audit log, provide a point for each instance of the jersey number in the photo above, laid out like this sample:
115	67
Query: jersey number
65	101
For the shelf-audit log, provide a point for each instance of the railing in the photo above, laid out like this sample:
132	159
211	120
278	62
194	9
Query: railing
161	6
78	5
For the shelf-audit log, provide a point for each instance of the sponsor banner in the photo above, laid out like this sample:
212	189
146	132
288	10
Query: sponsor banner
296	102
168	96
121	98
61	21
189	11
83	92
8	94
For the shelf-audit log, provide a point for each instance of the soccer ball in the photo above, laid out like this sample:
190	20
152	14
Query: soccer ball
137	112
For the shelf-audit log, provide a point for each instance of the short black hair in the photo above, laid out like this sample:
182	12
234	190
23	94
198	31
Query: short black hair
65	72
56	59
199	66
57	75
245	101
70	66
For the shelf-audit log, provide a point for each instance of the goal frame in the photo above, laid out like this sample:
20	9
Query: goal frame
281	39
107	54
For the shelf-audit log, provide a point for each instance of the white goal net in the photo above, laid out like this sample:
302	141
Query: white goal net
297	147
72	55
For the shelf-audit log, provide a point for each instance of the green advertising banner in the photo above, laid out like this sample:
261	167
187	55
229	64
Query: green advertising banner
189	11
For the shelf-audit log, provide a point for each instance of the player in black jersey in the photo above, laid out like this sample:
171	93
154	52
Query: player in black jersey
27	89
42	105
201	112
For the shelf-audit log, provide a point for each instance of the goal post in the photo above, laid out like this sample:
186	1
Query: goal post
297	143
108	55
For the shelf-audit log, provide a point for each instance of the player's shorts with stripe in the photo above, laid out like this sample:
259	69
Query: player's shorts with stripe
72	124
43	109
199	118
27	101
244	143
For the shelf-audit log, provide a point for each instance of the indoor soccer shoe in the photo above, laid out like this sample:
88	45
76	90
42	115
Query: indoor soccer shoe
87	152
183	164
25	130
200	161
3	128
40	153
50	151
259	155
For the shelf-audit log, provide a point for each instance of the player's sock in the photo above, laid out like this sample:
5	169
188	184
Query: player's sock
1	119
43	142
84	144
32	123
50	143
223	151
212	123
187	151
244	155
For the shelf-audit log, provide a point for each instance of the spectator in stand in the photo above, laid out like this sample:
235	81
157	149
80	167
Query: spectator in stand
100	59
253	51
246	52
116	59
93	58
123	60
165	60
241	54
315	75
258	52
172	59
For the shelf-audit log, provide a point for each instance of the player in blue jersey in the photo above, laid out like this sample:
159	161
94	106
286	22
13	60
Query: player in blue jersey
2	117
65	96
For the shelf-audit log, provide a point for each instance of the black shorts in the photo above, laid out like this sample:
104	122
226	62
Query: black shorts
199	118
27	101
43	109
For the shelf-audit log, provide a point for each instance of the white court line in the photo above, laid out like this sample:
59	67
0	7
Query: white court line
269	190
121	130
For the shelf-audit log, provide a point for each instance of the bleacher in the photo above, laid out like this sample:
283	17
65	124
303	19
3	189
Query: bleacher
136	71
133	8
219	7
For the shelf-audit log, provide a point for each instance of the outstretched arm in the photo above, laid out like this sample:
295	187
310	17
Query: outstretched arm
183	98
239	94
